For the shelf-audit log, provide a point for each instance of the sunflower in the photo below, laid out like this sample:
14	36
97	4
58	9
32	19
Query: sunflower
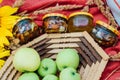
7	20
0	1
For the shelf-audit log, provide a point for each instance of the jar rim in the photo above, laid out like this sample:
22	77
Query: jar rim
80	13
22	18
108	27
54	14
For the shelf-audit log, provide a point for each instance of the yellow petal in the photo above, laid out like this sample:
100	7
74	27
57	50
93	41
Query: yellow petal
5	53
2	49
5	32
9	22
7	11
1	1
1	63
4	41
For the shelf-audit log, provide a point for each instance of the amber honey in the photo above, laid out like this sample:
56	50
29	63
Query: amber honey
55	23
25	30
80	21
104	34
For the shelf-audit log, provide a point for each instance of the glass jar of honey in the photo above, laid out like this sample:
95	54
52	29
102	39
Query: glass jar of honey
80	21
55	23
25	30
104	34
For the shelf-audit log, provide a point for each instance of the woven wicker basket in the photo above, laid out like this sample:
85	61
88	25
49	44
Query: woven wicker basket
93	58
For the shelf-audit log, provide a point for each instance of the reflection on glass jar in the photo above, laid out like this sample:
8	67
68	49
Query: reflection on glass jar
55	22
25	30
104	34
80	21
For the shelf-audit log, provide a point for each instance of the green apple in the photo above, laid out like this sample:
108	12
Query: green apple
26	59
50	77
48	66
67	58
29	76
69	74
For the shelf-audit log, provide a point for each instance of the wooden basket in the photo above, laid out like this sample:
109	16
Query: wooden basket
93	58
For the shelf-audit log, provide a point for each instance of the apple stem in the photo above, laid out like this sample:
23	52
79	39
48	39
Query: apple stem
46	68
73	73
65	67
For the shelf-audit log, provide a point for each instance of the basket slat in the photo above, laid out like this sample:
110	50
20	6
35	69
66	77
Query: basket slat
12	74
64	40
94	71
90	71
6	65
96	46
87	69
69	45
17	75
7	73
81	71
100	69
65	35
93	58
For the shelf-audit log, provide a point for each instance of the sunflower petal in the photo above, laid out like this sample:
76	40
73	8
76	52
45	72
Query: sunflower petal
5	32
9	22
1	63
5	53
1	1
7	11
2	49
4	41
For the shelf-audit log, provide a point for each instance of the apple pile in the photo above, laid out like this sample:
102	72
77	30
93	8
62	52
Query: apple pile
65	66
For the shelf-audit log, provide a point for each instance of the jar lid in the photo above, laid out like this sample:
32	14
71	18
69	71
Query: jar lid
21	18
81	13
108	27
54	14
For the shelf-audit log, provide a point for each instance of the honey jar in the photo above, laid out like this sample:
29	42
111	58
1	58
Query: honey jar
25	30
104	34
80	21
55	23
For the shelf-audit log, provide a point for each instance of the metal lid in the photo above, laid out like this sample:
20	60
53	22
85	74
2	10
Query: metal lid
81	13
54	14
22	18
111	28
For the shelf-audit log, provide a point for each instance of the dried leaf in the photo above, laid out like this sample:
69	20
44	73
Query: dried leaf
18	3
90	2
106	12
117	56
57	8
85	9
